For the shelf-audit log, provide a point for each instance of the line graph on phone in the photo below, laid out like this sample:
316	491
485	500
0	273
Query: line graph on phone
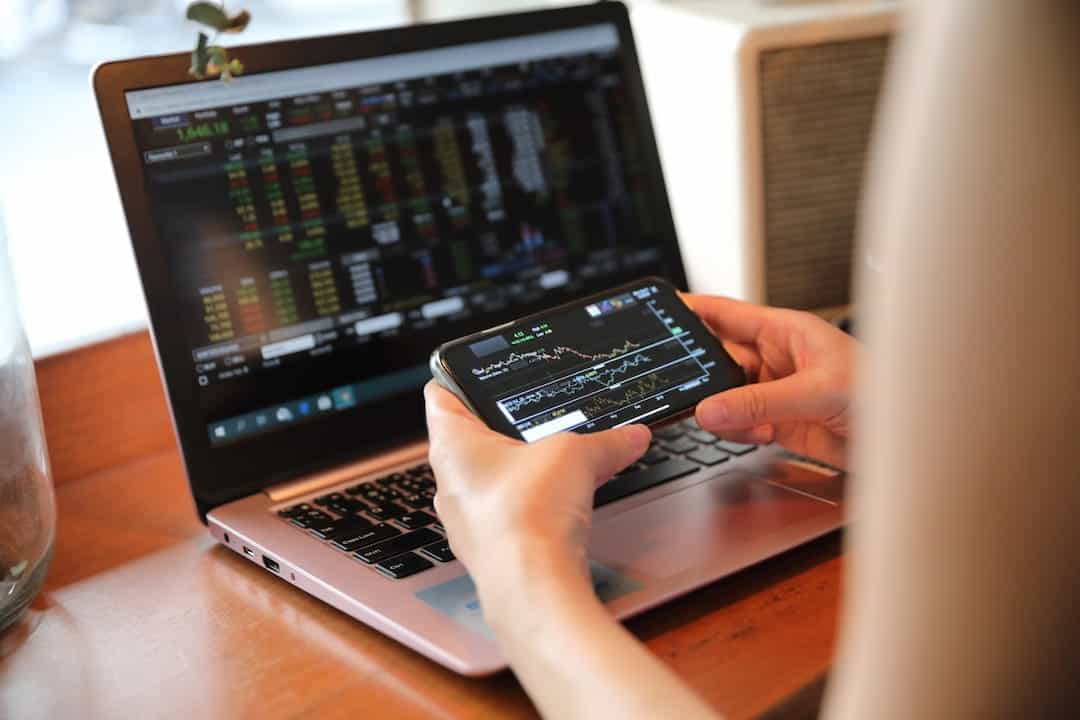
586	368
554	354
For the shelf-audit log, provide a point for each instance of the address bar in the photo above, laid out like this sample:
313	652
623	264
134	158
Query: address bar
192	96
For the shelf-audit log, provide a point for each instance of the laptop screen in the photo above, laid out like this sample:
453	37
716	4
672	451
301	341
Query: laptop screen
326	227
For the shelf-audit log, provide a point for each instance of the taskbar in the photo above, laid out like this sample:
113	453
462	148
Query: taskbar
287	414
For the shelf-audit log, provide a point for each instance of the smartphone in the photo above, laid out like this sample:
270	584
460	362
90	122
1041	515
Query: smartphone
632	354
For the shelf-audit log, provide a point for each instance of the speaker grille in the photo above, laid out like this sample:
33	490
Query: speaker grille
818	104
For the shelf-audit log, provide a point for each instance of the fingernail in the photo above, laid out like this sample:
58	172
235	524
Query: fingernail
711	413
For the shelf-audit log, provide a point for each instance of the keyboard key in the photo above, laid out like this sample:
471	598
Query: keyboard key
359	488
294	510
323	528
653	456
415	520
690	423
339	528
410	486
440	551
417	502
702	436
381	496
423	469
367	537
735	448
386	511
709	455
347	507
396	546
311	517
391	479
403	566
680	445
634	467
668	432
621	487
331	498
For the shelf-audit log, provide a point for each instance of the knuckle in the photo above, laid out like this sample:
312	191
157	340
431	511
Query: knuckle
756	405
802	318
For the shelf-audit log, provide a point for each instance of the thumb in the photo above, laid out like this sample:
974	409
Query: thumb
609	451
794	397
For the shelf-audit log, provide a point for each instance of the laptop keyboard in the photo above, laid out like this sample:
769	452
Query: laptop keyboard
381	522
390	523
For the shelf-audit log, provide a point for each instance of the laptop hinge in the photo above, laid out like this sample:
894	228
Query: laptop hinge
308	484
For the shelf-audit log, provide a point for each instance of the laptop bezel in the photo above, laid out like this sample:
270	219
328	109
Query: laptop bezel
219	475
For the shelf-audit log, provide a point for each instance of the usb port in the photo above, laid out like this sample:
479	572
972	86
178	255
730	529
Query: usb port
249	552
271	563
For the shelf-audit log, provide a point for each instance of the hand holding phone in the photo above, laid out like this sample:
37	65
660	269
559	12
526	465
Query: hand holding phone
632	354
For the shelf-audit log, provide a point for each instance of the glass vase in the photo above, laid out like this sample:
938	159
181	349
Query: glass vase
27	508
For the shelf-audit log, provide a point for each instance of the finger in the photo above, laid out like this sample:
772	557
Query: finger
730	319
446	408
748	358
760	435
606	453
442	400
448	420
795	397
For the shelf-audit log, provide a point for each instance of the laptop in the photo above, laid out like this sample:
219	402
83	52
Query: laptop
307	233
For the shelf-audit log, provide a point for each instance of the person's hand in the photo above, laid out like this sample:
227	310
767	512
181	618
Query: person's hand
506	504
799	369
518	517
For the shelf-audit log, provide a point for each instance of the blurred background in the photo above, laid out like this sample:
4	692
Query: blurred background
66	232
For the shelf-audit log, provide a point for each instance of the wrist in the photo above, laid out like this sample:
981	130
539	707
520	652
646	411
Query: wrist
525	585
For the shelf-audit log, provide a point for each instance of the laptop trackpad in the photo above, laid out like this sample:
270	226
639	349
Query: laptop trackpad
737	515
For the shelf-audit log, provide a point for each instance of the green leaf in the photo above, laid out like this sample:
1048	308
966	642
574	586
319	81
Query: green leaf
237	22
209	14
218	59
199	57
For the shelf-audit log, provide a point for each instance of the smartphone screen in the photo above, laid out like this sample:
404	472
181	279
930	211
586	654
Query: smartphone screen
635	354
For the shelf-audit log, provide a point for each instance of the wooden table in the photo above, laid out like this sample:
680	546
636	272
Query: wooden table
142	616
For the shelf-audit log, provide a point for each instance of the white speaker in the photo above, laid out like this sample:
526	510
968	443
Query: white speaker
763	112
